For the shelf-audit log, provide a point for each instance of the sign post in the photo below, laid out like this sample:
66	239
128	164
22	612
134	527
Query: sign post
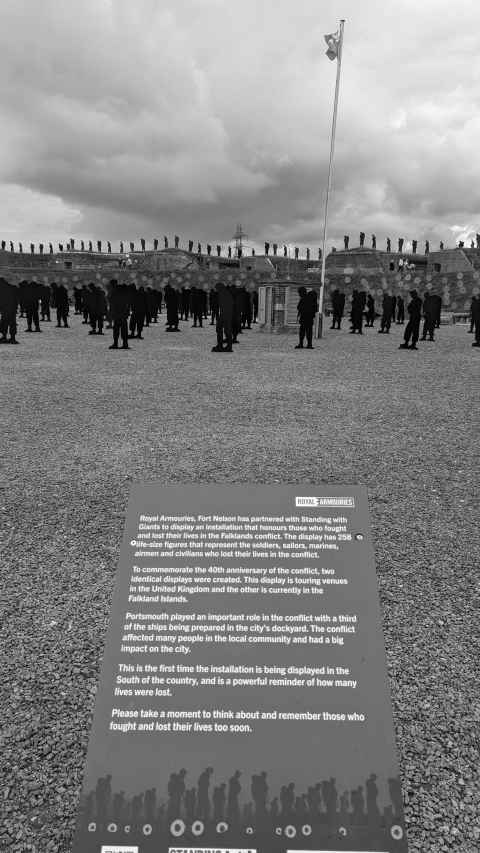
243	703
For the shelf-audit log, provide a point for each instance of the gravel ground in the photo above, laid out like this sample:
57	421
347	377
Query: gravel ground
80	423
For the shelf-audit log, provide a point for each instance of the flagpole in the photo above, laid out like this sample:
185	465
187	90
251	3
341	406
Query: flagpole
329	182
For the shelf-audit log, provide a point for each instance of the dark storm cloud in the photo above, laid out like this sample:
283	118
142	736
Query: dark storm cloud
125	119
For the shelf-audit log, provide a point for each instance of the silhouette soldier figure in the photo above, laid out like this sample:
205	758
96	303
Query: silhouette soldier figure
234	789
362	239
11	247
132	246
62	306
370	315
119	310
209	249
388	311
155	244
165	242
275	247
427	247
346	240
203	794
429	312
9	300
219	251
99	245
338	306
308	254
373	811
414	247
389	244
400	244
413	326
177	240
142	243
20	248
109	247
50	248
305	316
267	247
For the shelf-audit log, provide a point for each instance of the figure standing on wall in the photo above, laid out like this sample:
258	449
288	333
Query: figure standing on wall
296	252
20	248
414	246
41	248
441	245
82	246
50	248
60	246
319	254
177	240
427	247
275	247
32	248
219	251
460	245
267	247
132	247
209	249
389	244
109	247
3	245
472	245
155	244
308	254
477	237
253	253
142	243
362	239
165	240
400	244
121	247
374	241
90	246
284	251
72	244
229	251
199	249
99	245
190	245
346	240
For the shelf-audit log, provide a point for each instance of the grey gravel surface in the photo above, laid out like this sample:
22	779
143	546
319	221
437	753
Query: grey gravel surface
79	424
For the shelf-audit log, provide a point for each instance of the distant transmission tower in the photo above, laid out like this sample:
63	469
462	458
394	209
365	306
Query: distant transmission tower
239	236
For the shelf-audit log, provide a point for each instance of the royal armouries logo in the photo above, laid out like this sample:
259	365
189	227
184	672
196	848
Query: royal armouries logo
311	501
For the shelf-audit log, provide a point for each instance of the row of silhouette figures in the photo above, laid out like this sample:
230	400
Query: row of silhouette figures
70	246
206	802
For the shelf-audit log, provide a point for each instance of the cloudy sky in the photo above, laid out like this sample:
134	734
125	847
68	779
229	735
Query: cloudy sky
124	119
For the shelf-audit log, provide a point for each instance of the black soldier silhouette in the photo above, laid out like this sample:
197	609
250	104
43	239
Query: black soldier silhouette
229	251
150	805
190	804
414	246
176	791
199	249
346	240
362	239
209	249
400	244
389	244
267	248
142	243
259	789
373	812
275	248
99	245
165	242
287	800
427	247
109	247
203	808
132	246
308	254
233	798
219	251
374	241
177	240
155	244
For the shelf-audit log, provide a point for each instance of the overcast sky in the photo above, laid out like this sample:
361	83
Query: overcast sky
124	119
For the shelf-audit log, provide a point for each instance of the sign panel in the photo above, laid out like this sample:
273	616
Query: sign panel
243	702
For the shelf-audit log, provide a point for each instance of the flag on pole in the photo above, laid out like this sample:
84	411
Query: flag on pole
333	42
